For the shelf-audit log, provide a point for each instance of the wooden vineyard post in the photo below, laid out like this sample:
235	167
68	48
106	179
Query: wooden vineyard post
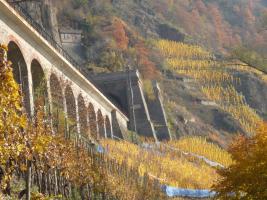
28	180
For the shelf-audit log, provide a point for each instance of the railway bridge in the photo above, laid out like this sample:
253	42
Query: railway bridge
49	77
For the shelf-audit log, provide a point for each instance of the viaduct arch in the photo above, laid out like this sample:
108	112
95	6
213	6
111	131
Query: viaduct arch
20	71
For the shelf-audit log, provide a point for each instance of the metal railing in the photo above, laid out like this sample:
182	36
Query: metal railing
47	36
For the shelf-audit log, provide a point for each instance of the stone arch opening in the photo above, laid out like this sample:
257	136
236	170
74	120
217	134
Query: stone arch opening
71	111
58	114
92	121
82	116
40	96
101	124
108	127
20	72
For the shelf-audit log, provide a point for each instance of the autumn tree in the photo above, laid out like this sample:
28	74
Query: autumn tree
147	67
120	34
12	122
246	179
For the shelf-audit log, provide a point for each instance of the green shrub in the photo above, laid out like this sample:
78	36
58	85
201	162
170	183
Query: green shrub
148	89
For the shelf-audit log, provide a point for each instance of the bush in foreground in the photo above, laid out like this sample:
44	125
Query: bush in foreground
246	179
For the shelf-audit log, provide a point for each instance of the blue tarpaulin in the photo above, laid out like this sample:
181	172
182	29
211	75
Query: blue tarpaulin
100	149
180	192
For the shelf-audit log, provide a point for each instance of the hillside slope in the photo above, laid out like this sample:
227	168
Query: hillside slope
123	32
117	33
218	25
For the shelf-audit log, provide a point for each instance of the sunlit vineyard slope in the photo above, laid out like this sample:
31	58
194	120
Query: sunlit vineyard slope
170	167
215	79
201	146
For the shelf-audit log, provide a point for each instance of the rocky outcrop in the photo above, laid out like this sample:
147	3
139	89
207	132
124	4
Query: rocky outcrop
165	31
187	115
254	90
45	14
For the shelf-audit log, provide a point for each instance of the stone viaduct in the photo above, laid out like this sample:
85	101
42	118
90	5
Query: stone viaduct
51	79
48	77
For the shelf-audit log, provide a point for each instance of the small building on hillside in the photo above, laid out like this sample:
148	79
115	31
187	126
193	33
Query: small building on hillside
70	36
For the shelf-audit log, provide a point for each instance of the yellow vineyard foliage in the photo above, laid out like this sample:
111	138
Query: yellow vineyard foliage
182	50
12	142
201	146
233	102
214	77
168	167
188	64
